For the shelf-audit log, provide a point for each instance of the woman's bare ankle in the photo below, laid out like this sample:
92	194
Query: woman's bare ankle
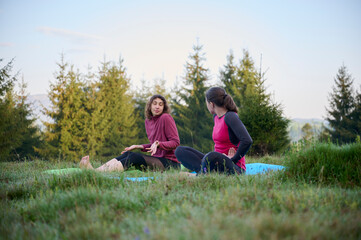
85	163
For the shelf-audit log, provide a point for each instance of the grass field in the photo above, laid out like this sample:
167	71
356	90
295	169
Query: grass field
89	205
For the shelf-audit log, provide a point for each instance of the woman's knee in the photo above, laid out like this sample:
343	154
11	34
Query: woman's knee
212	156
214	161
179	151
124	155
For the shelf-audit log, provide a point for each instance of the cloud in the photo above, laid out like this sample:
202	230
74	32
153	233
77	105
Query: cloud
70	35
6	44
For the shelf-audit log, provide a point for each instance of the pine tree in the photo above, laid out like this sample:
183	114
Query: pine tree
356	115
243	81
342	104
93	137
230	79
249	79
31	135
18	133
52	134
114	113
6	80
9	135
10	132
89	115
193	120
73	122
65	135
261	116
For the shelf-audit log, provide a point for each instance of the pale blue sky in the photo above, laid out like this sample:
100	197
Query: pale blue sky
302	43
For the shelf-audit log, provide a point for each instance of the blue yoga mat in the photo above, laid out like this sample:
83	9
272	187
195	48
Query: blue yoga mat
260	168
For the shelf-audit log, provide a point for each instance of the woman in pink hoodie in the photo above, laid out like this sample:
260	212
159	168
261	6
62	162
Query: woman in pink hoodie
163	140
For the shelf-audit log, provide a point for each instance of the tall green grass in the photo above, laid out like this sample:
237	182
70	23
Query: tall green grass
92	205
326	163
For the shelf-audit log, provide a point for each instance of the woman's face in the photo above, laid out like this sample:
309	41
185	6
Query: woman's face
157	107
210	107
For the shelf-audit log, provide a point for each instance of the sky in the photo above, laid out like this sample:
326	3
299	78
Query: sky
300	44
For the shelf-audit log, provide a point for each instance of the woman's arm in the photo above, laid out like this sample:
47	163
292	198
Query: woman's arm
132	147
245	141
145	146
171	134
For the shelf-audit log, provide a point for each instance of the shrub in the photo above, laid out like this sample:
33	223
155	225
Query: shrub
326	163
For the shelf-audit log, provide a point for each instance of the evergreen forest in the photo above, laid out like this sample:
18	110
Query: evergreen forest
97	113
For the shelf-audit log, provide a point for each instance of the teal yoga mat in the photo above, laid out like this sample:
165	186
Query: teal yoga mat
75	170
63	171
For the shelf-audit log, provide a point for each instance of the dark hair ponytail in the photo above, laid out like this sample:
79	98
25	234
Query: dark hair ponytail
219	97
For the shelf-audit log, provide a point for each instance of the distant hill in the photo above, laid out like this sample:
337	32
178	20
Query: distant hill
294	129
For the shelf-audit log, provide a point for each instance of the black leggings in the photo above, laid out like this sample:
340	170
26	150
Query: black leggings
203	163
144	162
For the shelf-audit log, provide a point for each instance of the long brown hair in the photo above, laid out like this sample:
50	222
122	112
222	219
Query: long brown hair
148	112
219	97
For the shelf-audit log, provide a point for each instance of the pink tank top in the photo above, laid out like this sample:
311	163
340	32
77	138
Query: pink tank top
222	143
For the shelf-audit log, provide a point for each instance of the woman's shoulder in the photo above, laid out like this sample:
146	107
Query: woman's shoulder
230	116
166	117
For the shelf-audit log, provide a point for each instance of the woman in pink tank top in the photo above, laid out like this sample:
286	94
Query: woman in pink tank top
230	136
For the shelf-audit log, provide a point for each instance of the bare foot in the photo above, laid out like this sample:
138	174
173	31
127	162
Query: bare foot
85	163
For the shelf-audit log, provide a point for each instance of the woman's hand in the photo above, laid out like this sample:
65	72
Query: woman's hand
153	148
132	147
231	153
